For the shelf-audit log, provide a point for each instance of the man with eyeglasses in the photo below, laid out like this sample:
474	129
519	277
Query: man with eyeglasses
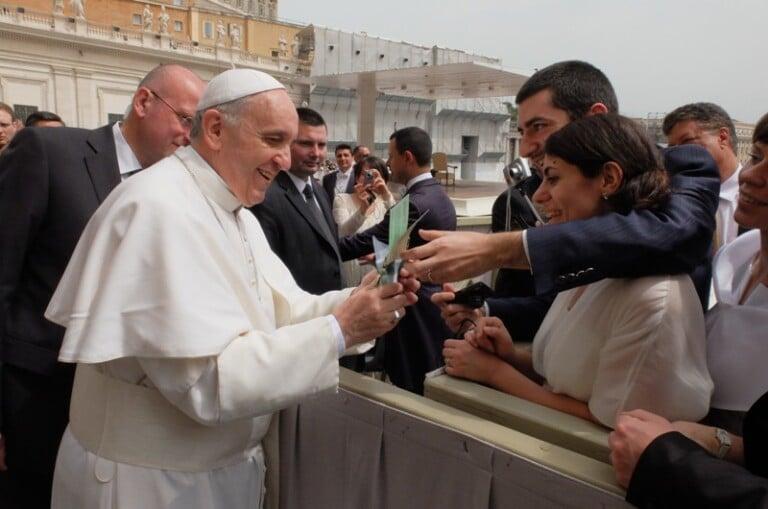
51	182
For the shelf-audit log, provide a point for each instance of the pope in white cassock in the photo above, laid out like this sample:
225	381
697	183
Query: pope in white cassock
187	330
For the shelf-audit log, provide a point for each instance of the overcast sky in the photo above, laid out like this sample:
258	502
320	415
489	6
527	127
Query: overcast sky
658	54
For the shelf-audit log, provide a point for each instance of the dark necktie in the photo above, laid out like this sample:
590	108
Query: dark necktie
317	213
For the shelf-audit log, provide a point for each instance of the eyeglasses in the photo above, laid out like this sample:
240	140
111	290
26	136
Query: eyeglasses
185	120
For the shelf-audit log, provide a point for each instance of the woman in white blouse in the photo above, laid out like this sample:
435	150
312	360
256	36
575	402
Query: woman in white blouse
616	344
366	207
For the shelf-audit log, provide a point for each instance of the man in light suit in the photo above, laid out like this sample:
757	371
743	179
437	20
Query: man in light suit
672	240
296	216
51	182
414	347
342	180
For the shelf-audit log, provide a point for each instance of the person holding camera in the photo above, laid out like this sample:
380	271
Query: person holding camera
366	207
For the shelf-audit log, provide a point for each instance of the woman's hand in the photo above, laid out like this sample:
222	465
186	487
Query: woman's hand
363	197
465	361
379	187
491	335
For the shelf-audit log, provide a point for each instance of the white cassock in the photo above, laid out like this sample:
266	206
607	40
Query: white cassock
188	333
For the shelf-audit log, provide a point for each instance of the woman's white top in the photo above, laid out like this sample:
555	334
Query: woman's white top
737	342
627	344
346	213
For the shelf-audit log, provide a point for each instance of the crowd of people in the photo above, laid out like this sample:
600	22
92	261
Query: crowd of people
177	277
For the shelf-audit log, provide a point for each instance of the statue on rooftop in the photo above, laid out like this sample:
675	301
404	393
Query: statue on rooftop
147	17
283	45
221	32
235	34
79	7
58	6
163	19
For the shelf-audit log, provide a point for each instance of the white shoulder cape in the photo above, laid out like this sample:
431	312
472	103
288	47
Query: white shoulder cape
148	276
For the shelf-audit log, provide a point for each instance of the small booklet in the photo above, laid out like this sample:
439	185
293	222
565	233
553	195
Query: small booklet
387	256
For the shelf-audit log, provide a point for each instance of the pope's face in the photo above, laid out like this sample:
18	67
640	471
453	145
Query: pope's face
255	149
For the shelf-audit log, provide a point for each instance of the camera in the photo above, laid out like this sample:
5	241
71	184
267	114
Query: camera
368	177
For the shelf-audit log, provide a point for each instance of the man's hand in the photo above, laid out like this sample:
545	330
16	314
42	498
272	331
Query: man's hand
453	256
3	466
456	316
372	310
634	431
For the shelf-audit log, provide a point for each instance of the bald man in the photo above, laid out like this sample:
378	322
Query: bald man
51	182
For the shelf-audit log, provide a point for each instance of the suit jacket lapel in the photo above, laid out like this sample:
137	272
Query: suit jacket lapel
101	161
293	196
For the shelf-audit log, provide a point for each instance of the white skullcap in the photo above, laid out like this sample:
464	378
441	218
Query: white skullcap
235	84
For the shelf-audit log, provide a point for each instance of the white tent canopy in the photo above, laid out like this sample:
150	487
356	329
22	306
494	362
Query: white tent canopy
444	81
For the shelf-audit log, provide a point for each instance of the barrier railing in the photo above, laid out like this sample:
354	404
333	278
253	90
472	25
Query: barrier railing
544	423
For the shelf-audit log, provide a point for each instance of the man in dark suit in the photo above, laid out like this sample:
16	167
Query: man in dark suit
51	182
705	467
674	239
296	215
414	347
342	180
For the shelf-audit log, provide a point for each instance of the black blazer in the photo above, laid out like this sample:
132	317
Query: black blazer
51	182
414	347
329	184
297	239
674	471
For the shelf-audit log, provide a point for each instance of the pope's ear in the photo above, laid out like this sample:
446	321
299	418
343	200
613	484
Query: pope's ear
212	126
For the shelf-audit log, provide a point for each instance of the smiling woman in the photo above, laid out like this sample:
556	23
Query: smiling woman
616	344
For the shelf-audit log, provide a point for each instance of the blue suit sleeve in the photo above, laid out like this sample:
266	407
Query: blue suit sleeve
670	240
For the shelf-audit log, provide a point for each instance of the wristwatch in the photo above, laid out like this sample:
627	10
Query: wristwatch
724	441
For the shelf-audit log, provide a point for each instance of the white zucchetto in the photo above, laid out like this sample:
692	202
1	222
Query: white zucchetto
235	84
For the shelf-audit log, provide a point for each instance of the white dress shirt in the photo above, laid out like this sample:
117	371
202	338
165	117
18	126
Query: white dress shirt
342	177
127	162
729	191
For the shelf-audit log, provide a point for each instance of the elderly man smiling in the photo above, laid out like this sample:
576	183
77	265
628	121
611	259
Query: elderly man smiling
187	330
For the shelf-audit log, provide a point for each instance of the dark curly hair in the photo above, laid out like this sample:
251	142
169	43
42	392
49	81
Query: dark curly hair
591	142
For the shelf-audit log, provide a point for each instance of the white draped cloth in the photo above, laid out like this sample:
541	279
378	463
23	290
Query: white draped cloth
173	287
737	348
628	344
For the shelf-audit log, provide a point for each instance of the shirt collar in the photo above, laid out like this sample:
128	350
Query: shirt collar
300	184
418	178
126	159
730	188
211	184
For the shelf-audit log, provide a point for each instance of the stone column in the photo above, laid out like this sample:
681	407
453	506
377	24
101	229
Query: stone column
366	109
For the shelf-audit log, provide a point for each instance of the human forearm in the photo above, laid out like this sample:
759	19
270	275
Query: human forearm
508	379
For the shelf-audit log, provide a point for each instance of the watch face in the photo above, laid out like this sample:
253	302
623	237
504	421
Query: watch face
724	439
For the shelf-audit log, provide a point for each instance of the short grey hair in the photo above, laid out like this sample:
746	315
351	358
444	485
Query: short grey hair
231	112
710	116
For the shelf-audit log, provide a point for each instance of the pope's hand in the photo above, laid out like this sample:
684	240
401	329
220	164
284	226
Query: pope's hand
453	256
372	310
634	431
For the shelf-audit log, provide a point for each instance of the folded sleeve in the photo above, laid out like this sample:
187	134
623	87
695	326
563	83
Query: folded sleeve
256	374
674	471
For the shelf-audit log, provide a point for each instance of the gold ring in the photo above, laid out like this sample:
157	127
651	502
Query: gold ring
429	275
